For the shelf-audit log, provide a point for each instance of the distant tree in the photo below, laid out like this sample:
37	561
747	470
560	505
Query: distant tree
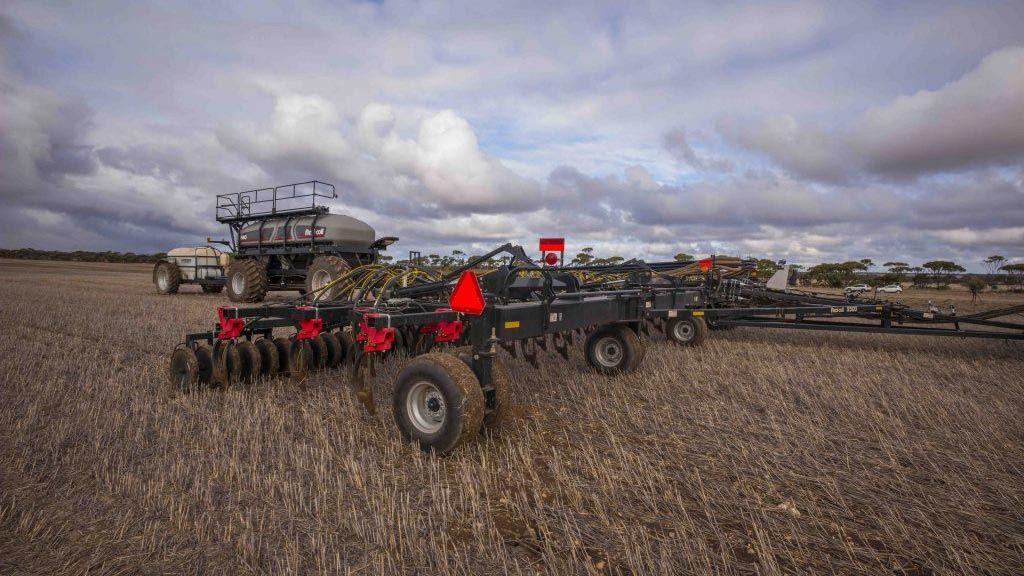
385	258
867	262
942	271
975	285
457	257
765	268
1016	272
834	274
897	269
684	257
993	264
585	257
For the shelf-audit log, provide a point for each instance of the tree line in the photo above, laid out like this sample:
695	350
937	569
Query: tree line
80	256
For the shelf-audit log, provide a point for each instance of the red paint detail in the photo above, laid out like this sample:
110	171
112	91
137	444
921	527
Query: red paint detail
467	297
705	264
309	328
374	339
229	327
552	244
444	331
551	258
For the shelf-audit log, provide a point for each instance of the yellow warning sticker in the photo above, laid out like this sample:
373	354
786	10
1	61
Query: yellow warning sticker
698	312
512	324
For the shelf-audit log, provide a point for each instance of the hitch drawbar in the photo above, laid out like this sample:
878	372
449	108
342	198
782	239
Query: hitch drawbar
457	384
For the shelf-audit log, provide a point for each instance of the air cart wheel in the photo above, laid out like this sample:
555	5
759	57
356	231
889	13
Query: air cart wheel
184	371
252	362
227	365
301	361
270	363
204	355
686	330
320	353
613	348
166	277
438	402
323	271
284	355
499	400
247	280
212	289
335	354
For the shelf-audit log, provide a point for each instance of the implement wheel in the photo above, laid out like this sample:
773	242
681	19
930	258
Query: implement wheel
686	330
498	400
247	280
227	365
438	402
166	277
284	355
252	361
301	361
320	353
323	271
270	363
335	355
184	371
204	355
613	349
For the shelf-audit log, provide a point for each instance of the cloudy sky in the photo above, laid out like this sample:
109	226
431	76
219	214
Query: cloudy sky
799	130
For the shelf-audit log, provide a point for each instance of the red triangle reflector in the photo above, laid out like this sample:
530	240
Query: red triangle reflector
705	264
467	297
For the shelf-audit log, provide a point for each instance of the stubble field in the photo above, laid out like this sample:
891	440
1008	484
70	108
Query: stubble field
761	452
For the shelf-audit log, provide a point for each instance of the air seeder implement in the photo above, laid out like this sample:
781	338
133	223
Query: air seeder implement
459	325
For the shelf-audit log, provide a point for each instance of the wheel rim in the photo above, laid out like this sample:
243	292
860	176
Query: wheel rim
426	407
683	331
608	352
320	279
238	283
161	278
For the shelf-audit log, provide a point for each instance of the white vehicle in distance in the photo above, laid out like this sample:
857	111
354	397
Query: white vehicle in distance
857	288
891	289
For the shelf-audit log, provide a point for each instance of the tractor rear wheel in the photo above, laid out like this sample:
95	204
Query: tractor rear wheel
438	402
686	330
613	349
323	271
247	280
166	277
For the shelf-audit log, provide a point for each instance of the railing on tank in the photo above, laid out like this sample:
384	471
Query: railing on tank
291	199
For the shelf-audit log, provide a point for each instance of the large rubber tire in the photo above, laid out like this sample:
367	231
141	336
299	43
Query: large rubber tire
252	362
166	277
438	403
686	330
500	402
323	270
212	289
613	349
270	363
184	370
247	280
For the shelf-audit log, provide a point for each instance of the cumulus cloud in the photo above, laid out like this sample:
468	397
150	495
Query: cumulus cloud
975	120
